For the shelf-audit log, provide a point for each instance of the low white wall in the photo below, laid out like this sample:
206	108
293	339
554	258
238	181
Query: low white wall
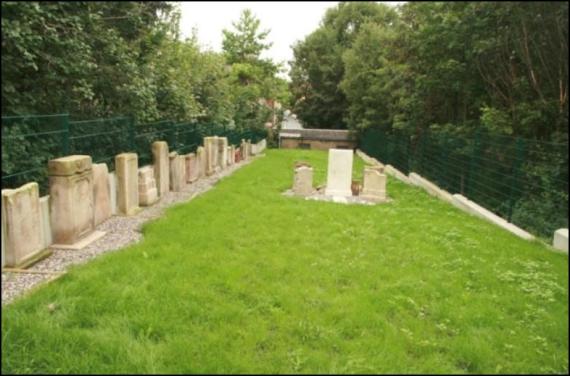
560	241
430	187
469	206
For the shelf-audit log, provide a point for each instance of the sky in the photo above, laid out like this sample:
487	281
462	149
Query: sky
288	21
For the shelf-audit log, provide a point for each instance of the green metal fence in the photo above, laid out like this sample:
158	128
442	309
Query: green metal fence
524	181
28	142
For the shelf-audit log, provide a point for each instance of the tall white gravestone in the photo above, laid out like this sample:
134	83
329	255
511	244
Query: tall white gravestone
339	173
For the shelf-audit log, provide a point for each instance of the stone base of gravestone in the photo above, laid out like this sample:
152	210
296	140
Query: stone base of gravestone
339	173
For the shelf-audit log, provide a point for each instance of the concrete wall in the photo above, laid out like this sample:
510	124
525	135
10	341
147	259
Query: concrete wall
291	143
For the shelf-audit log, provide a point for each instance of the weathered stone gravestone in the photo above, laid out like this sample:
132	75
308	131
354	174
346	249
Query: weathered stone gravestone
71	202
126	166
249	151
101	193
192	168
211	146
201	155
177	172
303	180
148	193
21	216
243	150
374	184
339	173
222	152
230	155
161	167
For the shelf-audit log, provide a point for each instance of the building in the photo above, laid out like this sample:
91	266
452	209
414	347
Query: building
320	139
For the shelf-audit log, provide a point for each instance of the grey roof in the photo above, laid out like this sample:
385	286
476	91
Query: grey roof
319	134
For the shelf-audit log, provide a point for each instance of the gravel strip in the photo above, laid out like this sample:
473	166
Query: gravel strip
120	232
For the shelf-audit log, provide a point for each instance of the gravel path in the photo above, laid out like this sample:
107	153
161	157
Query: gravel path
120	231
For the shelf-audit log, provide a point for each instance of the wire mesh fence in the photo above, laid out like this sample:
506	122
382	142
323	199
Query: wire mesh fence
29	142
524	181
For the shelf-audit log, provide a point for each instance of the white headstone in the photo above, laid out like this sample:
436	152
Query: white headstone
339	173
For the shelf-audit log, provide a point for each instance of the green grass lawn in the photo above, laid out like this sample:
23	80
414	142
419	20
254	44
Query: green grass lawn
242	279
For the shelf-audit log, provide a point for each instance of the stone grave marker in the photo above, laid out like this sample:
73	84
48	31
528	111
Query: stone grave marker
339	173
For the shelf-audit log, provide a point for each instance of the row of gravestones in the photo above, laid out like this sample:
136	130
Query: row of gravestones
339	178
82	195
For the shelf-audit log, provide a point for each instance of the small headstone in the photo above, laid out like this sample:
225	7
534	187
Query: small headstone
192	168
126	165
303	181
161	167
177	172
101	193
339	173
148	193
211	147
222	152
201	156
374	185
22	224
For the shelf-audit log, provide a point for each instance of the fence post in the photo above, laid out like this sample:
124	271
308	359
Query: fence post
131	133
476	150
517	163
66	135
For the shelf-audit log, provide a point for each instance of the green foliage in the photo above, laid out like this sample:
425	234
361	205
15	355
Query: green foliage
414	286
103	59
253	80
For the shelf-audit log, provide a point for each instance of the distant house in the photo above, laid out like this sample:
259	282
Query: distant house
320	139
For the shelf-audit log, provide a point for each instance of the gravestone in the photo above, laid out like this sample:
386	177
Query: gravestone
47	238
148	193
243	150
192	168
201	156
161	167
211	147
126	165
223	152
374	184
177	172
230	155
339	173
21	216
101	193
72	202
303	180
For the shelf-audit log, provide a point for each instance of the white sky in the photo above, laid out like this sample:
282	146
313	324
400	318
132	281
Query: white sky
288	21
